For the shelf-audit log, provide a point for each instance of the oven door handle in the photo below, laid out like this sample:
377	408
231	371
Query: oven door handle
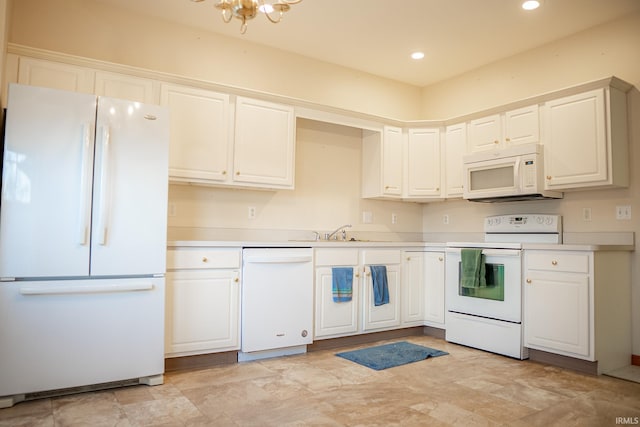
490	252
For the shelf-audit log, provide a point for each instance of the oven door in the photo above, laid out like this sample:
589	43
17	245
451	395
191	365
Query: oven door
500	299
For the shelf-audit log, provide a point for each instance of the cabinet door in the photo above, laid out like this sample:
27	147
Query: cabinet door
575	141
522	126
392	161
199	148
557	312
334	318
202	312
454	149
434	307
55	75
423	163
386	316
122	86
264	145
413	278
484	133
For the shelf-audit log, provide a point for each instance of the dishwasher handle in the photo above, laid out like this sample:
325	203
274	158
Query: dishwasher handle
277	259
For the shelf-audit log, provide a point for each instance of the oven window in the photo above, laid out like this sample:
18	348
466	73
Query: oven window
494	289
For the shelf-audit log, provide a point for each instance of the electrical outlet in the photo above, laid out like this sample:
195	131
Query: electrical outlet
586	214
367	217
394	218
251	214
445	219
172	209
623	212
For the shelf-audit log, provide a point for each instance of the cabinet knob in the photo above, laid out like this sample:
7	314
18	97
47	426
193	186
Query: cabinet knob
237	279
238	173
357	274
548	177
508	139
386	187
408	258
554	262
224	172
496	142
529	281
440	258
205	259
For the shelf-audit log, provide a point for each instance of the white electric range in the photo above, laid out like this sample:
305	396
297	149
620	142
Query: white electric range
489	316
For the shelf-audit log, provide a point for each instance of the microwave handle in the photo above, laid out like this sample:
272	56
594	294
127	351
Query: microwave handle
516	175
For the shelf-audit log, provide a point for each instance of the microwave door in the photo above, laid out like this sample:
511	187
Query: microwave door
492	178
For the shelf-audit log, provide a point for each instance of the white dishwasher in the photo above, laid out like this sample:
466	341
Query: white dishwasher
277	302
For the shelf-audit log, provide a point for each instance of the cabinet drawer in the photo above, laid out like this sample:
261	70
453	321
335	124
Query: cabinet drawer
336	257
558	261
381	256
194	258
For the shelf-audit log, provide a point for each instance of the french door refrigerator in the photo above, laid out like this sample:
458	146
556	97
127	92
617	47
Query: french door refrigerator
82	242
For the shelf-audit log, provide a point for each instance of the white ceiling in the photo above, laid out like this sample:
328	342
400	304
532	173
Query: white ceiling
377	36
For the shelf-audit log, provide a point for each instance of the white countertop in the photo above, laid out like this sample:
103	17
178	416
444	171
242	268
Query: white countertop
304	244
377	244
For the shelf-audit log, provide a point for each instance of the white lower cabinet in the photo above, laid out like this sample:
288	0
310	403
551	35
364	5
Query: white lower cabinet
577	304
413	289
423	289
334	319
385	316
434	307
202	301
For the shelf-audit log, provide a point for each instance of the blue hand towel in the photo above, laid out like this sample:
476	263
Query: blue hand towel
380	285
342	283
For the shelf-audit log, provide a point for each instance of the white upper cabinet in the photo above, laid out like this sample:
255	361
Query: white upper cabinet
586	140
382	163
202	148
455	142
264	148
55	75
423	161
200	145
502	130
116	85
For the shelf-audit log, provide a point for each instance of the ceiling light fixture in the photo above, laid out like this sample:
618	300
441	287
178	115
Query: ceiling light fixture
417	55
245	10
530	4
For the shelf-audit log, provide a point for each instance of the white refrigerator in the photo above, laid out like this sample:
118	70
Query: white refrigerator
82	242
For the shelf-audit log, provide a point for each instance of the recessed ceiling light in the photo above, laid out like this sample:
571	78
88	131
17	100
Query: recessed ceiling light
417	55
530	4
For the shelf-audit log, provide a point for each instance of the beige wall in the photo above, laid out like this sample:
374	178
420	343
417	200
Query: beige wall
91	29
611	49
327	193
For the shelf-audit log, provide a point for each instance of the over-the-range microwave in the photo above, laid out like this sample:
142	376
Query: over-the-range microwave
509	174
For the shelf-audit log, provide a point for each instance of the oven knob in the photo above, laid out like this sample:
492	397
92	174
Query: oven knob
539	219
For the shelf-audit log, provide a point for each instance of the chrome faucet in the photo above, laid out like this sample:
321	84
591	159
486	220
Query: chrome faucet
328	236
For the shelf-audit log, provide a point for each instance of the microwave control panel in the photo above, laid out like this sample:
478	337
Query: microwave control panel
529	173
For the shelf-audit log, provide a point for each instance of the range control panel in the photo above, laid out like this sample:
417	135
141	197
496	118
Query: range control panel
523	223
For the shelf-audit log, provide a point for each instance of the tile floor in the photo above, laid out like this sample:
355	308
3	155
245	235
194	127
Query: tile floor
466	388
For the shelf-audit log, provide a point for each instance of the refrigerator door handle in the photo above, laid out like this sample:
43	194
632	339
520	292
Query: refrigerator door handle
85	185
104	187
75	289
